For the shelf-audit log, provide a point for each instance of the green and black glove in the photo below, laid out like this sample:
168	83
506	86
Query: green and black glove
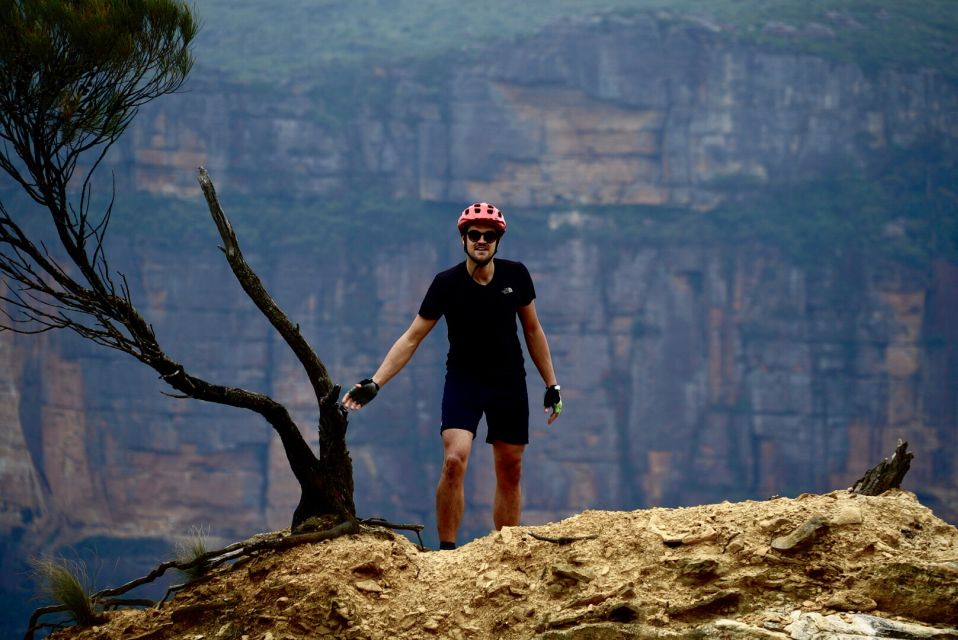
365	392
552	399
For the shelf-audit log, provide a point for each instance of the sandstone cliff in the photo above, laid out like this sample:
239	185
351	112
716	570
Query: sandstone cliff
615	110
694	371
690	374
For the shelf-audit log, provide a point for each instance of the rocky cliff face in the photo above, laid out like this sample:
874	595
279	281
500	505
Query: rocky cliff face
625	111
691	376
692	373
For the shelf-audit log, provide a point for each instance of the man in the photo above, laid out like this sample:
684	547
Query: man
481	299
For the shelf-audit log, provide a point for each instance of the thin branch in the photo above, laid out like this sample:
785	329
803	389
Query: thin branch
318	376
379	522
33	625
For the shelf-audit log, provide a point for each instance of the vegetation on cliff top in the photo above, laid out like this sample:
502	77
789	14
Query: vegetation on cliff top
264	42
904	208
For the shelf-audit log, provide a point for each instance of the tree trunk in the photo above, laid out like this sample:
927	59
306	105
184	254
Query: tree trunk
328	489
887	474
327	482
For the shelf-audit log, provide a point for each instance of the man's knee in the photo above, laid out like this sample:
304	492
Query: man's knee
509	472
456	446
454	464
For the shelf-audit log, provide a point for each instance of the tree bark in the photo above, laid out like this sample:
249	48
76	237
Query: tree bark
887	474
326	483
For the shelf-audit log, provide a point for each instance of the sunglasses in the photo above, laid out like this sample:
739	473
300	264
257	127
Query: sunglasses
488	236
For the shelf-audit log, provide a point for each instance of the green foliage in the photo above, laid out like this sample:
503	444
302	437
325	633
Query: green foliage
72	77
73	74
871	33
67	584
277	223
259	41
904	209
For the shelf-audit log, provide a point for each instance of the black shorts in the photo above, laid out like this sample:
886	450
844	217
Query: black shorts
505	403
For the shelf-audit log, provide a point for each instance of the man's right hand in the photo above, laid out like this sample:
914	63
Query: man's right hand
361	394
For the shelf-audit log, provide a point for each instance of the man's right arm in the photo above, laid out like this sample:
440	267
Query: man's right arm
398	355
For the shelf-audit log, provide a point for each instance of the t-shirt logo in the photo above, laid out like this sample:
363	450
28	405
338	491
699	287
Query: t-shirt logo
507	290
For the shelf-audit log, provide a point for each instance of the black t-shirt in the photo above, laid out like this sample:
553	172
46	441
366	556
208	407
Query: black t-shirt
481	319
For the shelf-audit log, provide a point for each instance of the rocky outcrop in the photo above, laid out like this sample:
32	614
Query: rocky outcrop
598	575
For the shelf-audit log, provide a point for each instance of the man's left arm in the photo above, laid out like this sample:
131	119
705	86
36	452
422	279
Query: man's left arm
538	347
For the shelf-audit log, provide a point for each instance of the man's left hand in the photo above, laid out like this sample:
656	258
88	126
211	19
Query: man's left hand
552	401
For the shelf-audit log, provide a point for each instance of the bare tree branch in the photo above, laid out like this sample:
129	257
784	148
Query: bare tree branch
254	288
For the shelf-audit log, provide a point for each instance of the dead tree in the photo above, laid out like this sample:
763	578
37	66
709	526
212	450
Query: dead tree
72	77
887	474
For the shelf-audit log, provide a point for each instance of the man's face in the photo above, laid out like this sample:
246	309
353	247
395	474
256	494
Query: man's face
480	241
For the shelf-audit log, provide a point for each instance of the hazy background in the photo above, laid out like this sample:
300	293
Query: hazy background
740	217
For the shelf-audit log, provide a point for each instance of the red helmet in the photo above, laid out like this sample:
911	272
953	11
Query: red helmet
482	212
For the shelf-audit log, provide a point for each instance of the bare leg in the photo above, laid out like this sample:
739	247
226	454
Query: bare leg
450	494
507	507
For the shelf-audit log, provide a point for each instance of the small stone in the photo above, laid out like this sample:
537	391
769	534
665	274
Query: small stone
802	535
851	601
890	539
772	524
696	571
718	601
368	569
659	619
223	630
706	534
847	515
568	572
431	625
368	586
579	559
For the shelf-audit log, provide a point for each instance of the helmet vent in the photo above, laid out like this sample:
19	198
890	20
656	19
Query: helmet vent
479	212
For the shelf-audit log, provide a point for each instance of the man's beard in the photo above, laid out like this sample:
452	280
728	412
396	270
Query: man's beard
482	262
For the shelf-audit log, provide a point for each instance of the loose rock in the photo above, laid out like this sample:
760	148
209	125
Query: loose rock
801	536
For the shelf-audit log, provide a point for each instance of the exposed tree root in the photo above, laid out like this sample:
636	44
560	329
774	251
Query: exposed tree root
563	540
210	560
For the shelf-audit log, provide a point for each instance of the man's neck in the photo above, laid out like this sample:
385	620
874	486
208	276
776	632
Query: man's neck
483	274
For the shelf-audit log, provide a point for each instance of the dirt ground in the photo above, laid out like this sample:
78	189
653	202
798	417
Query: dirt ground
649	573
